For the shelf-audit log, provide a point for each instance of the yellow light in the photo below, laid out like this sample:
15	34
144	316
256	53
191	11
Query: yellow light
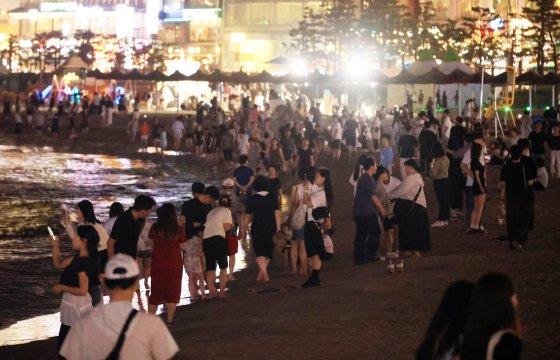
237	37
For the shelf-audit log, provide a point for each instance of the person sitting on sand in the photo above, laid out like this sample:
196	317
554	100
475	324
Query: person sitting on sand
101	334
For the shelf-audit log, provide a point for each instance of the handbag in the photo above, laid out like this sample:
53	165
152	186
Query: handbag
298	220
404	207
115	354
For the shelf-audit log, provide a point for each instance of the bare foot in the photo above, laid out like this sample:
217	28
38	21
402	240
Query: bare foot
231	277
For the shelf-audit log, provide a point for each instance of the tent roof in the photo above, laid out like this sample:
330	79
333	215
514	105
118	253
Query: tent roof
75	62
433	77
449	67
422	67
528	78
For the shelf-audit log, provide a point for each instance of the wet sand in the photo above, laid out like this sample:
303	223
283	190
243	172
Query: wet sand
364	311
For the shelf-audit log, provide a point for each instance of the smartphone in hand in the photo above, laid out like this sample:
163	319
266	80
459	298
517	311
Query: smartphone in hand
51	233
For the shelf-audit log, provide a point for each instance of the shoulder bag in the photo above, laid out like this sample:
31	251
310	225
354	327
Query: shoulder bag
298	220
115	354
404	207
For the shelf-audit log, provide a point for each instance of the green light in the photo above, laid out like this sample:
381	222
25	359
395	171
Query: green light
507	109
527	108
547	108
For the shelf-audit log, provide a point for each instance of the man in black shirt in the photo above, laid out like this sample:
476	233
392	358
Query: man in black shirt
427	139
407	148
537	139
196	209
124	236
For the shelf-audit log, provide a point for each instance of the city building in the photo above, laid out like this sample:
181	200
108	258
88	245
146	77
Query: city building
257	31
130	18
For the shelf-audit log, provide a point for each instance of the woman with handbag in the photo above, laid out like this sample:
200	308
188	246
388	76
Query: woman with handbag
320	195
411	212
296	220
385	184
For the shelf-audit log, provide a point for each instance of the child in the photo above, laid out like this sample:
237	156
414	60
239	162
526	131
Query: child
386	155
542	176
193	260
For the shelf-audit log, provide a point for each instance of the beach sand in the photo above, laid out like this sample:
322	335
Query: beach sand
362	311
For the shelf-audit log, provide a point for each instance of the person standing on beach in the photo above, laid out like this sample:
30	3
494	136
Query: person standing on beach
195	210
243	176
407	148
167	235
414	228
126	230
386	155
214	244
366	208
265	218
177	129
97	335
75	278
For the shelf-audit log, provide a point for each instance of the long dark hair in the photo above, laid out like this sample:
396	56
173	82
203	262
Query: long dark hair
476	151
167	221
448	322
491	310
116	209
327	186
86	207
358	165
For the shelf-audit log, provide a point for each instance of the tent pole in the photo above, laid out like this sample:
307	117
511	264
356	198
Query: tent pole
178	97
481	94
459	100
530	99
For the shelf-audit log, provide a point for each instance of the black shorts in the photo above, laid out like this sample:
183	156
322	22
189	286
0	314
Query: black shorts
388	224
215	251
335	144
350	141
189	135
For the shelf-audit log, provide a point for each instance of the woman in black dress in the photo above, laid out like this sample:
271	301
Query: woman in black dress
493	329
319	196
262	212
479	189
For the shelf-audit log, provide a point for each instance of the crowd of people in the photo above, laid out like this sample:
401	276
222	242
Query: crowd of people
389	208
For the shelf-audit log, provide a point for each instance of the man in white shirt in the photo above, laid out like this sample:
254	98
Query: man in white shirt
445	128
336	136
177	130
99	333
466	167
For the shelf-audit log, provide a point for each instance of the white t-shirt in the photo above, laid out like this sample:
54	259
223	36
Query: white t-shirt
94	336
376	134
337	131
108	225
447	127
467	160
177	128
243	144
144	242
393	184
103	236
215	221
318	199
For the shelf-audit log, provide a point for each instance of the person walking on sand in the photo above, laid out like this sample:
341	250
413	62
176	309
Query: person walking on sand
214	244
296	220
262	213
479	190
167	235
116	330
193	258
320	195
237	210
439	172
365	210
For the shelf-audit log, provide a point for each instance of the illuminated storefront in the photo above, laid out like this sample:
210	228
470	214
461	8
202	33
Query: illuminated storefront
255	31
134	18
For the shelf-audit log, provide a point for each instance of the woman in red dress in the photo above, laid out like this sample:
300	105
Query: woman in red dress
167	264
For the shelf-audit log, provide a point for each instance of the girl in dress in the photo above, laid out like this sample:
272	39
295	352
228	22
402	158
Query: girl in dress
479	189
192	260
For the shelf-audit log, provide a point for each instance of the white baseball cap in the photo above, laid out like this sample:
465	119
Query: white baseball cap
228	182
121	266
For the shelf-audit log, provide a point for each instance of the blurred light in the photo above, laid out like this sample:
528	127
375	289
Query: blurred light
357	66
237	37
497	23
527	108
507	109
297	66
